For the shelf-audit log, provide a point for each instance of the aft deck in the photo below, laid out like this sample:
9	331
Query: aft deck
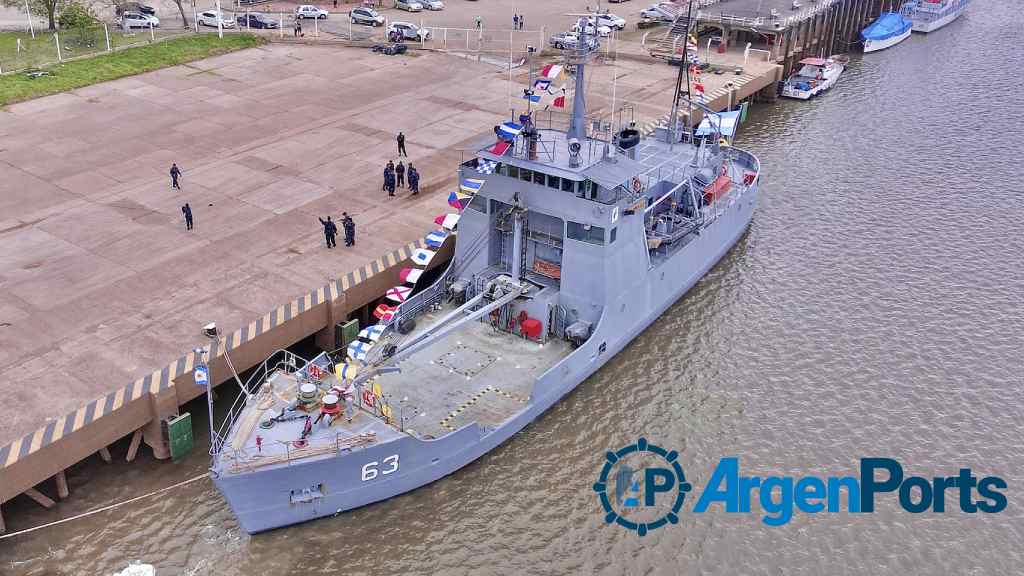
477	373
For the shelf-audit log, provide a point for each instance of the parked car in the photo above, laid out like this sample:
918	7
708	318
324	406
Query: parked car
569	40
137	20
409	31
134	7
602	31
432	4
209	18
410	5
310	11
657	12
257	21
366	16
610	20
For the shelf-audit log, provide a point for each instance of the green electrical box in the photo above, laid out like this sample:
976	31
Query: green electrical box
179	435
349	333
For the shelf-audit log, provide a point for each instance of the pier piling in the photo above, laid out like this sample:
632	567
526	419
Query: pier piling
105	454
62	485
133	448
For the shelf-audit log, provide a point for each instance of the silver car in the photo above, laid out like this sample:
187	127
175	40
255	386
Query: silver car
366	16
410	5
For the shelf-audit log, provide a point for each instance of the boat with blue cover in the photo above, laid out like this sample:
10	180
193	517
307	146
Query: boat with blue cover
888	30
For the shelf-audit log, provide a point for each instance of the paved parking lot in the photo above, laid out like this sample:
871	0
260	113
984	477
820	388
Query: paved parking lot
99	280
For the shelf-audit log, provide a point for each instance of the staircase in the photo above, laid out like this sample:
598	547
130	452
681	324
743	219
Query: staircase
676	34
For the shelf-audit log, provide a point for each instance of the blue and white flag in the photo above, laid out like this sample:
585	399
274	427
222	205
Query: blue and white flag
435	239
509	130
422	257
358	350
372	333
535	98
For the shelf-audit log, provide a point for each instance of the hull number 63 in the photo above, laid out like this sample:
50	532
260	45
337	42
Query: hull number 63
371	469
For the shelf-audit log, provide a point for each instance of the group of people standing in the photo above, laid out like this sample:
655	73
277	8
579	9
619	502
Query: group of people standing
518	21
331	230
394	176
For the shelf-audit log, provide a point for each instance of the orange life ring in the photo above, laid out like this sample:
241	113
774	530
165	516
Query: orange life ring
637	185
725	168
368	398
315	372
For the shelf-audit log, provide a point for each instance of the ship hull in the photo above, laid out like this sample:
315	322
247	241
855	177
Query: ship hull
264	500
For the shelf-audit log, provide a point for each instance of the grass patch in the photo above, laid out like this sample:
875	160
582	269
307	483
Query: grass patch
110	66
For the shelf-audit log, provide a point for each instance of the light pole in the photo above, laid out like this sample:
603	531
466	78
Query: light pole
210	331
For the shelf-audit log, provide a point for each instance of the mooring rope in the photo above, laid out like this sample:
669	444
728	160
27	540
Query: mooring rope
103	509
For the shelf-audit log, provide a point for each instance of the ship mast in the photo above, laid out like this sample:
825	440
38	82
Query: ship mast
578	57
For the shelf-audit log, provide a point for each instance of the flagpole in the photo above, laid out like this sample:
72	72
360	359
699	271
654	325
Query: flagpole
510	72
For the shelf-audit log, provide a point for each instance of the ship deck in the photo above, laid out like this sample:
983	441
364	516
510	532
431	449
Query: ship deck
477	373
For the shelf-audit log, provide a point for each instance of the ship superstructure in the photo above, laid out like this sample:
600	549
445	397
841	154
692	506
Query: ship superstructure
568	243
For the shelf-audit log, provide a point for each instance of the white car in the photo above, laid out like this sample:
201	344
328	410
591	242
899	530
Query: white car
611	21
138	20
409	31
310	11
432	4
602	31
209	18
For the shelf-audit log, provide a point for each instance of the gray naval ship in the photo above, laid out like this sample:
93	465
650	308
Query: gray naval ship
571	243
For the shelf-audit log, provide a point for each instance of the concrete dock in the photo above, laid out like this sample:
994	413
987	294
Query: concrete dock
103	290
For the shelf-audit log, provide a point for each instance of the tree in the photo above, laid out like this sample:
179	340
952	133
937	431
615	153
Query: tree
44	8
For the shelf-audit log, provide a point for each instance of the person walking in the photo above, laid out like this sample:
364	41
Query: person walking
175	174
350	229
187	211
330	231
298	26
400	173
401	144
479	22
515	21
414	180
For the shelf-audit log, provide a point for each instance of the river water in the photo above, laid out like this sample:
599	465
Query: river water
874	309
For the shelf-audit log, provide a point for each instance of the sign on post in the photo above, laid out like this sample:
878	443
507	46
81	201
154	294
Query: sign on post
202	376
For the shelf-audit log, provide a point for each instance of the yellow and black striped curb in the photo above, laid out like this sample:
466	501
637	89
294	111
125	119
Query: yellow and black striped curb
473	400
163	378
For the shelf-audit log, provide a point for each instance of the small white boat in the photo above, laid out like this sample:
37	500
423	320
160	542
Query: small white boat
815	76
889	30
930	15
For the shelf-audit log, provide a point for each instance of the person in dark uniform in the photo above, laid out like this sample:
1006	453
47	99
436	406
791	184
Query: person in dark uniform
400	174
175	173
401	145
389	183
414	180
187	211
350	229
389	172
330	231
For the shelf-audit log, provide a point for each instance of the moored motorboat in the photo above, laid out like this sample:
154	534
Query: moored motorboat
815	76
888	30
930	15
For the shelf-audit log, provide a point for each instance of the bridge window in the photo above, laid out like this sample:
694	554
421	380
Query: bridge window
585	233
526	175
539	178
611	236
568	185
478	203
513	172
553	182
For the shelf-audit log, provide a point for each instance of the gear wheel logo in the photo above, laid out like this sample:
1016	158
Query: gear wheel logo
642	487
